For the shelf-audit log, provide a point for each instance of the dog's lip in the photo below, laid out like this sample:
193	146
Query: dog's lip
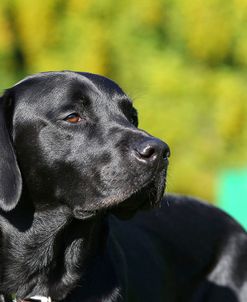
122	202
119	203
111	204
80	213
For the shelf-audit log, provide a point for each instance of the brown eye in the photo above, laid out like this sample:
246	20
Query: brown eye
73	118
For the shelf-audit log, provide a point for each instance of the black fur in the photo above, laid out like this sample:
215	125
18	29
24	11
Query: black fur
69	193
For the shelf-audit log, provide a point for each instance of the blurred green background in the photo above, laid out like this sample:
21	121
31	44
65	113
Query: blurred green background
183	62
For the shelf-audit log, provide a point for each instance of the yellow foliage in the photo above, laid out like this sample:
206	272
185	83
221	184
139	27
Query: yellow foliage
207	29
6	36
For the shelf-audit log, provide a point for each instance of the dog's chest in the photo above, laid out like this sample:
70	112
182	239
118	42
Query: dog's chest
37	265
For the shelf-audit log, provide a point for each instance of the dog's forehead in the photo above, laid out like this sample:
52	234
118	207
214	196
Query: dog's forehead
62	83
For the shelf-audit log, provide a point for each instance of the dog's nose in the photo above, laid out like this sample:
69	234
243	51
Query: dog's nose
151	149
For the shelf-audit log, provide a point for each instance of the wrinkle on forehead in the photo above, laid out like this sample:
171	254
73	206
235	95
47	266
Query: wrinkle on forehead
54	89
99	82
58	84
53	77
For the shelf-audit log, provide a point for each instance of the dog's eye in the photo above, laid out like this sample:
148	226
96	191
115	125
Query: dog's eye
73	118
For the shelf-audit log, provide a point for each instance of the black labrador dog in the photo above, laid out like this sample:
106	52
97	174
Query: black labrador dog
74	171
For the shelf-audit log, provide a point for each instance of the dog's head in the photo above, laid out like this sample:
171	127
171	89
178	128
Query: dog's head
72	138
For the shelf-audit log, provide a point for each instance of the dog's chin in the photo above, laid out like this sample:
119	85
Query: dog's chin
146	198
125	205
124	208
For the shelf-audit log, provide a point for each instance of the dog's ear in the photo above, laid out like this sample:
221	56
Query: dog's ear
10	175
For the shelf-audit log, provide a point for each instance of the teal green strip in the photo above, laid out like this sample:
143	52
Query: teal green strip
232	194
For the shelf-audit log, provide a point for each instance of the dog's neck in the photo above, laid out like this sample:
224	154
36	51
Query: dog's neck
56	253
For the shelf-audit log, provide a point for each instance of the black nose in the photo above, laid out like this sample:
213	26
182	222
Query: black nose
151	149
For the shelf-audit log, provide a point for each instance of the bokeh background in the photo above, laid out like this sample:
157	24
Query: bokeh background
184	63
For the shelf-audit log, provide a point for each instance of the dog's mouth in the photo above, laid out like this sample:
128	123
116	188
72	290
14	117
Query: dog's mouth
125	205
144	199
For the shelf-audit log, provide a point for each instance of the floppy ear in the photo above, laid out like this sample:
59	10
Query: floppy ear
10	175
